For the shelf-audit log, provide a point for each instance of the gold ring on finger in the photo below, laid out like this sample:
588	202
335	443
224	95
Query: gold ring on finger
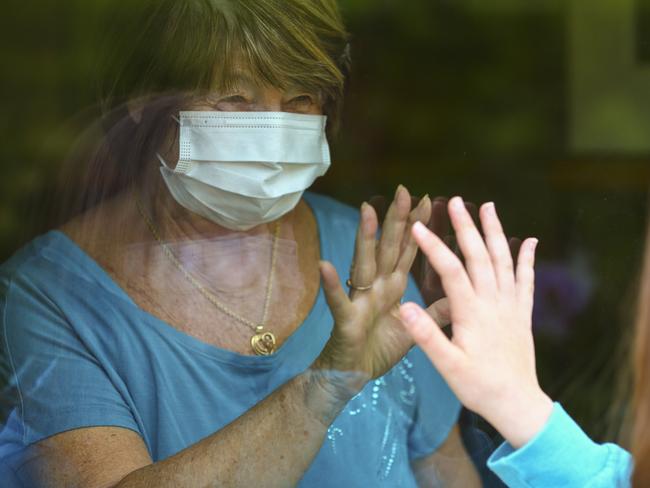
357	288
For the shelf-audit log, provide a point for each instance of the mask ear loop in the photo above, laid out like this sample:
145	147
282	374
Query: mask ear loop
162	161
181	165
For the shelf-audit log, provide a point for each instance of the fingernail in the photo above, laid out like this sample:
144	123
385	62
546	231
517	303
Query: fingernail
419	228
423	201
489	206
366	216
457	203
409	314
399	189
362	212
534	244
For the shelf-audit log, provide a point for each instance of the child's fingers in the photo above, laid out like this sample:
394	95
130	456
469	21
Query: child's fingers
477	258
498	248
427	334
453	276
525	276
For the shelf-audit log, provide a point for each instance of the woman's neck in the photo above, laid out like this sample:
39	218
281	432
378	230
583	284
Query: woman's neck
176	223
116	227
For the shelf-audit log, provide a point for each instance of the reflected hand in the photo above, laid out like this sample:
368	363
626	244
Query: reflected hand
490	361
368	338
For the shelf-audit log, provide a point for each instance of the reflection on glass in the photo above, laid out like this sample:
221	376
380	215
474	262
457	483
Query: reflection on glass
187	322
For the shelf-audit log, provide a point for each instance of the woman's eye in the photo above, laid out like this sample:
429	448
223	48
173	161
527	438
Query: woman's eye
234	99
233	102
302	100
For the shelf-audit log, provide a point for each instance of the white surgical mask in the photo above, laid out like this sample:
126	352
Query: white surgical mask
243	169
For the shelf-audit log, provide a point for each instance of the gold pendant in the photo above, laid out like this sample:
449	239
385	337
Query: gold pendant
263	343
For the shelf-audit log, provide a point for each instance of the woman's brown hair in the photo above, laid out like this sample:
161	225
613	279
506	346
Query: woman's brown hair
160	54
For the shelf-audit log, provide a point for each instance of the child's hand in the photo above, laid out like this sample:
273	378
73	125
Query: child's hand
490	361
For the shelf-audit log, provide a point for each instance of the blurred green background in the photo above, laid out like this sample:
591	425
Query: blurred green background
537	105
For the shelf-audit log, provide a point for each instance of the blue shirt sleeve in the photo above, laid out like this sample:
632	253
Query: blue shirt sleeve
57	383
561	454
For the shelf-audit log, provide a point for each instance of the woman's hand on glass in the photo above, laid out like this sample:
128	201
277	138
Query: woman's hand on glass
490	360
368	338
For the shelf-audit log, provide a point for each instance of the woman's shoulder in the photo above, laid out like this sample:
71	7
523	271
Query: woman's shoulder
50	265
34	284
330	211
37	256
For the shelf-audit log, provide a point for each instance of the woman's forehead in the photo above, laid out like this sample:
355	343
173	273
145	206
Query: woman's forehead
242	78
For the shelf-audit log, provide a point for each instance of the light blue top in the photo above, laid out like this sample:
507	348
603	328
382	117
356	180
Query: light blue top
561	455
79	353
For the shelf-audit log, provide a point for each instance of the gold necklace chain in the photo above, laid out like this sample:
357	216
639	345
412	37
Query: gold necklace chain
262	342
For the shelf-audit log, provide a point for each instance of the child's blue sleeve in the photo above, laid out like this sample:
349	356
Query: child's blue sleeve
562	455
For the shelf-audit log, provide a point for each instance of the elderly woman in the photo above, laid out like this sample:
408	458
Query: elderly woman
175	332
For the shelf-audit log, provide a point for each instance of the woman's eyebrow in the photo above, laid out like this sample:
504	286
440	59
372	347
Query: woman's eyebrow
241	80
302	90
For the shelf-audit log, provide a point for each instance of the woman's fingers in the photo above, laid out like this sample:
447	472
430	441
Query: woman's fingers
440	312
338	301
427	334
364	266
455	281
525	277
477	258
392	232
498	248
378	202
410	248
